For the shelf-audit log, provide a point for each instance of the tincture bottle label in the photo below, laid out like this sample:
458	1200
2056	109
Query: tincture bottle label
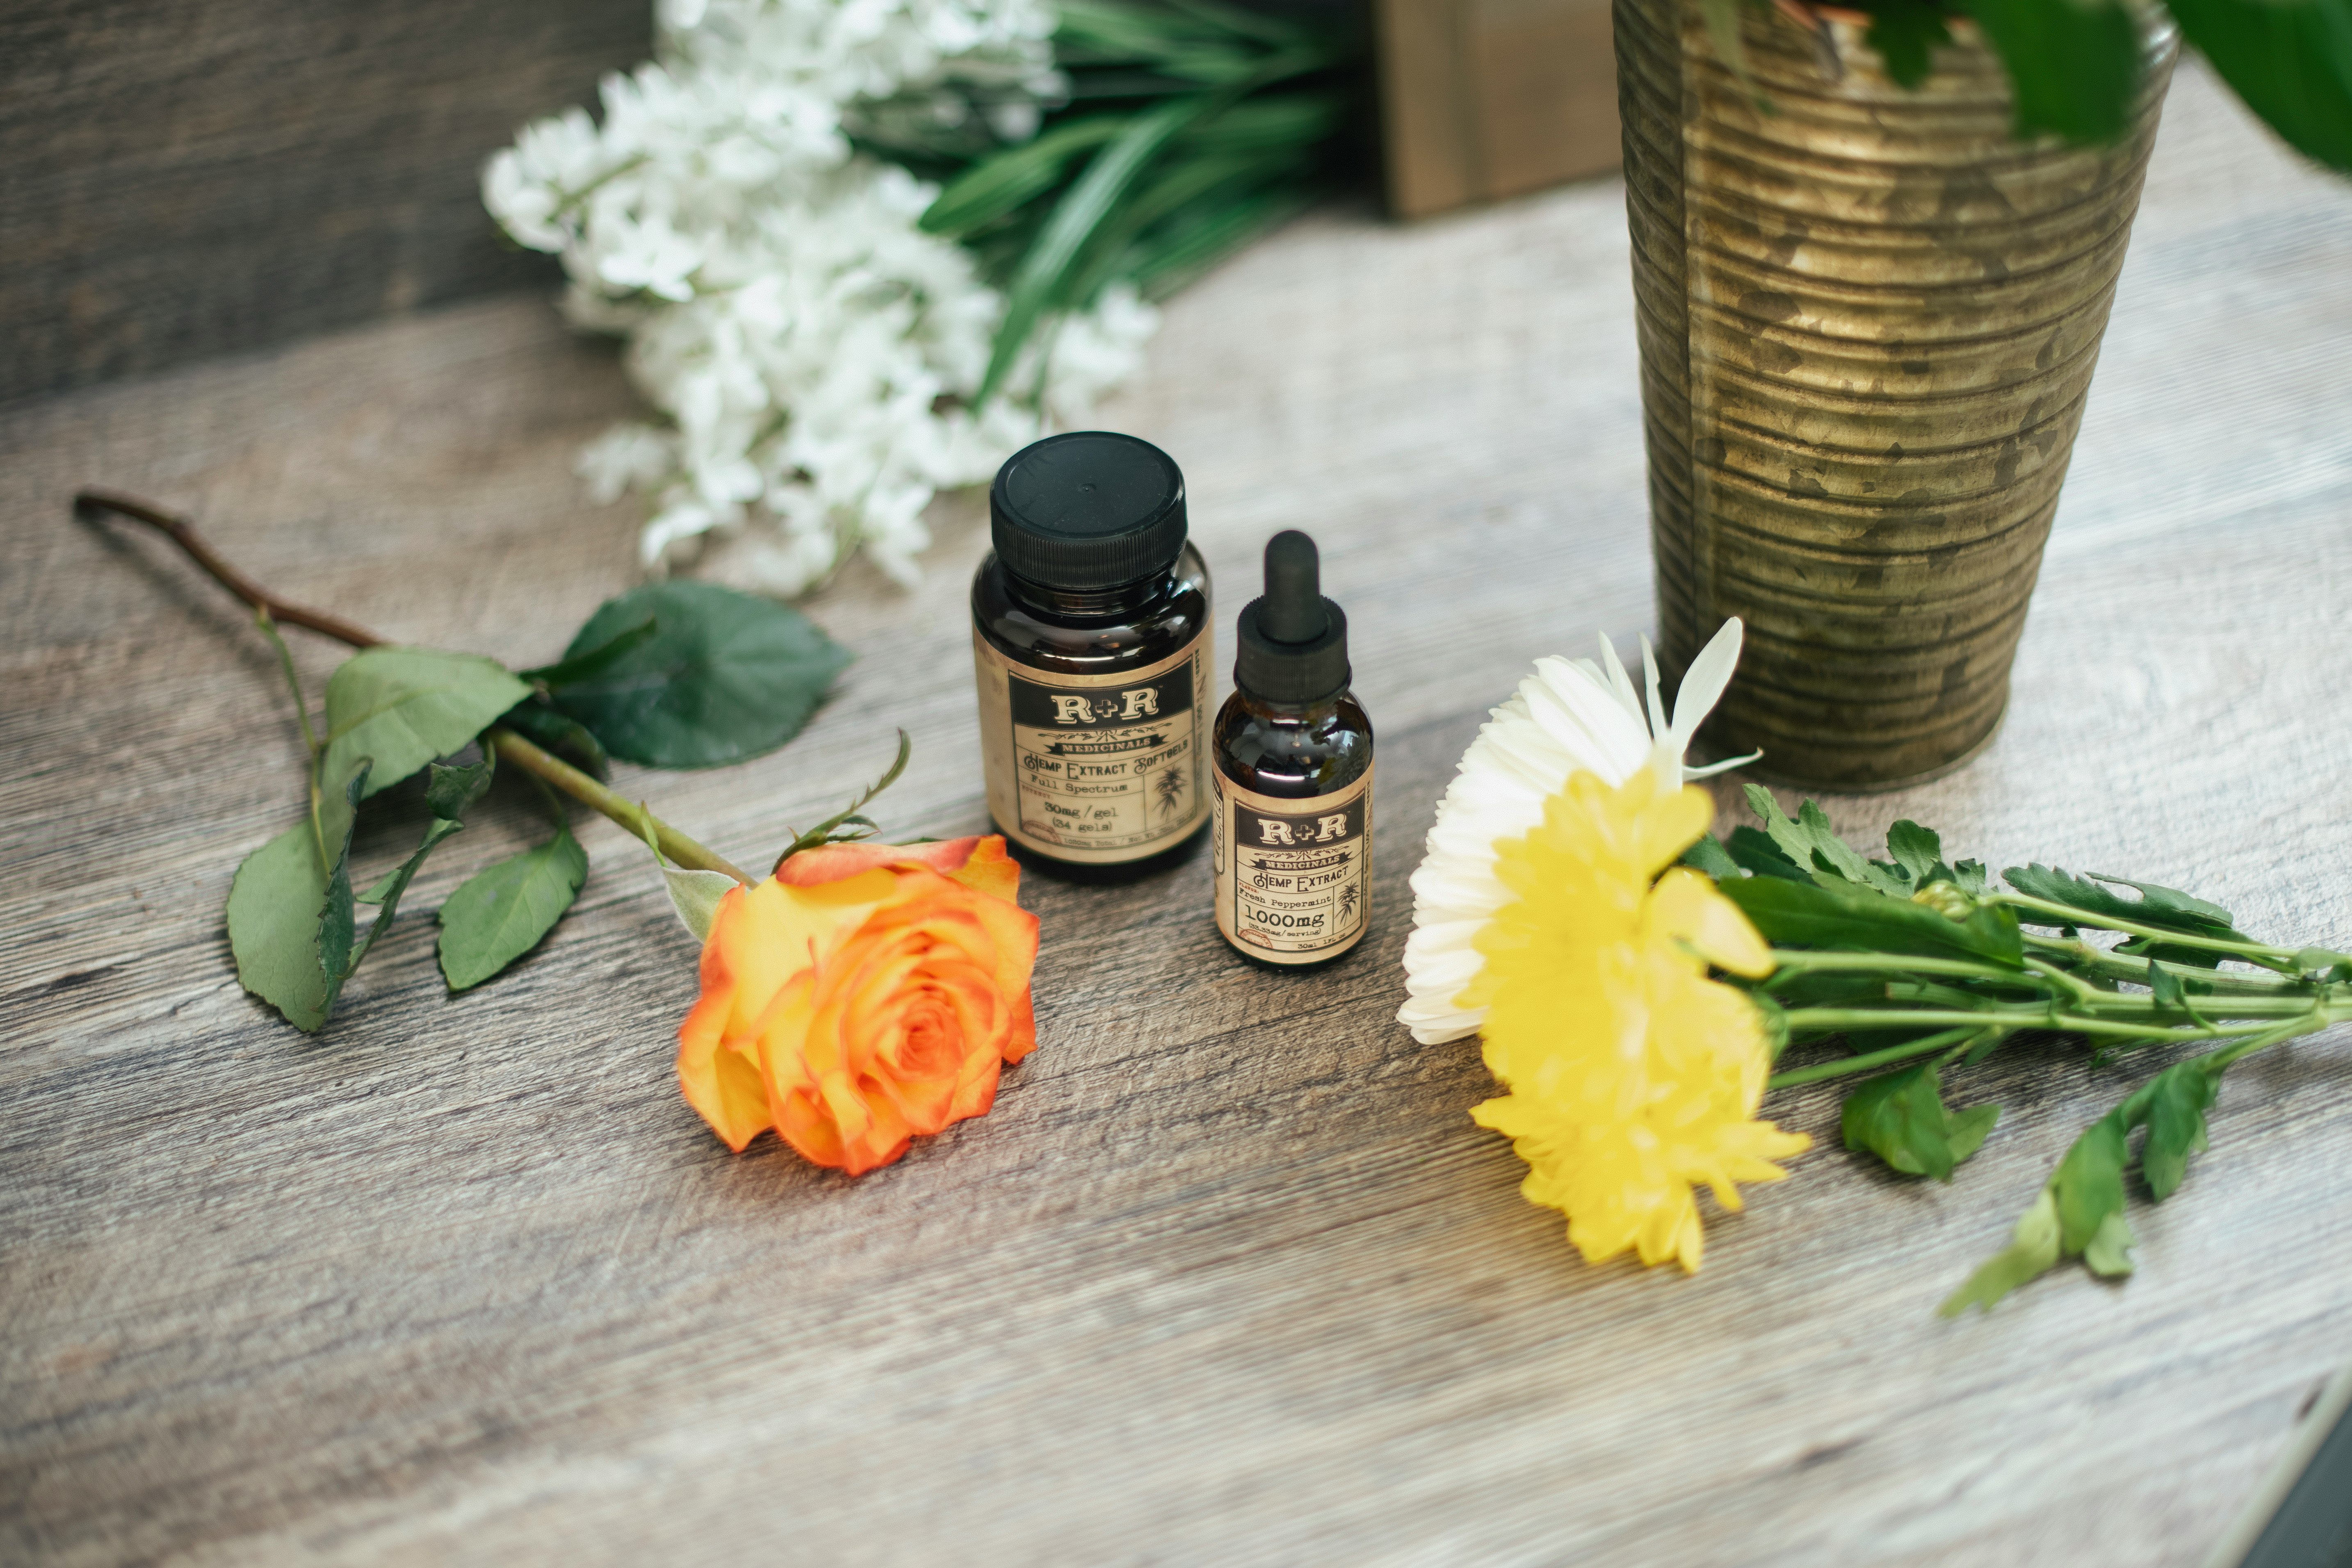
1294	877
1095	769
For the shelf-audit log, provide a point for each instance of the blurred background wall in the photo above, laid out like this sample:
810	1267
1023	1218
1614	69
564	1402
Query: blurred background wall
178	180
181	178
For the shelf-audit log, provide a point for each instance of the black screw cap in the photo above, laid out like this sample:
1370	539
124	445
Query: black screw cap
1089	509
1292	644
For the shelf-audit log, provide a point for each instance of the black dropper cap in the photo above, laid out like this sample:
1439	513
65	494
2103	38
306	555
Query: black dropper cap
1089	509
1294	641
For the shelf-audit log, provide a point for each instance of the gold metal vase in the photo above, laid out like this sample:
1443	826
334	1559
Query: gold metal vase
1868	319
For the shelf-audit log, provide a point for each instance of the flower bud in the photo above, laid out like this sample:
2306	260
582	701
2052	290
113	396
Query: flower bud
1948	900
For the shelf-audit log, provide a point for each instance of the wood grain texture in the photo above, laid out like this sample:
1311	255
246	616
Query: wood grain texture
181	180
1227	1276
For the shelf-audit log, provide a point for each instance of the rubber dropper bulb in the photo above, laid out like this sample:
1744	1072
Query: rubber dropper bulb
1293	610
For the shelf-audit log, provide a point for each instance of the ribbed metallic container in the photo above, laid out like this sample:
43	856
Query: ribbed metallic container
1868	319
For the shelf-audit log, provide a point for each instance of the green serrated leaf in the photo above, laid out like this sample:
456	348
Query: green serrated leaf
2032	1250
1918	851
1754	850
1899	1117
1969	877
499	913
1842	917
2176	1101
2109	1252
1965	1130
1709	856
275	910
1809	842
403	707
726	676
2167	908
2089	1182
1905	33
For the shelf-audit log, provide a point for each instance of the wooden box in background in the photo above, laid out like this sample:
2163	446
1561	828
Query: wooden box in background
1486	99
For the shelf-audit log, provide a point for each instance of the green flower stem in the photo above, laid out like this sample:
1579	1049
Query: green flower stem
2117	966
2060	915
508	746
1924	1045
1788	959
680	849
1841	1019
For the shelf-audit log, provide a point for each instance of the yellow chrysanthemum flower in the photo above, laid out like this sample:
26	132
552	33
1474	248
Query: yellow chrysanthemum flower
1632	1077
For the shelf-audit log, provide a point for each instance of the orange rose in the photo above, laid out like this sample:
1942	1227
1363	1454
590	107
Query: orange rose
863	993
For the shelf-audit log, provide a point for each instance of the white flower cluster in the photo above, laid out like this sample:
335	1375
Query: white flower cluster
814	351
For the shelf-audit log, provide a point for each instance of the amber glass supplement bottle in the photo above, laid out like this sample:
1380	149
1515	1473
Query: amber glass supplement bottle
1291	832
1090	636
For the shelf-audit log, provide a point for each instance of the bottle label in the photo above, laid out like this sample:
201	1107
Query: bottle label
1095	769
1294	877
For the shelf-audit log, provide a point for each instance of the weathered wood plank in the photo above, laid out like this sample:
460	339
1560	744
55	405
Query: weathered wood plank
182	181
1228	1275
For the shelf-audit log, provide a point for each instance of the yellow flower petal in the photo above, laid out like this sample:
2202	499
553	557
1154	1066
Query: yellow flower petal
1633	1078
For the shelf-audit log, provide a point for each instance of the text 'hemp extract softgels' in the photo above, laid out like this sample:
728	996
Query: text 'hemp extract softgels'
1292	830
1090	638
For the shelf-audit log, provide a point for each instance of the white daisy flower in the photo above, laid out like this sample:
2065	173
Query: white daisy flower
1570	716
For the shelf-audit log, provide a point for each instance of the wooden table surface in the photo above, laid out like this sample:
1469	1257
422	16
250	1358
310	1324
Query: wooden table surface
1228	1276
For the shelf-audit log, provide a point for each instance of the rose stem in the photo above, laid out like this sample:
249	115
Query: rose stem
509	746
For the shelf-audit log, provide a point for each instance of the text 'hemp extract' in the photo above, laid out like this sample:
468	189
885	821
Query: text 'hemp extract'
1090	638
1291	832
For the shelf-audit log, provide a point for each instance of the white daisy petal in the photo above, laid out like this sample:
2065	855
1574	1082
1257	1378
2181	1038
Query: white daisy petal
1567	716
1703	683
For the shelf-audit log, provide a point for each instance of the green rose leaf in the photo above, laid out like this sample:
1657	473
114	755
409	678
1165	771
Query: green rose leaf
278	912
404	707
589	662
724	676
450	791
500	913
1900	1117
568	738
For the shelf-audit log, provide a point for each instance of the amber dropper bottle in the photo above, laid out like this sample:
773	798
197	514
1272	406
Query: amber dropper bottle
1292	827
